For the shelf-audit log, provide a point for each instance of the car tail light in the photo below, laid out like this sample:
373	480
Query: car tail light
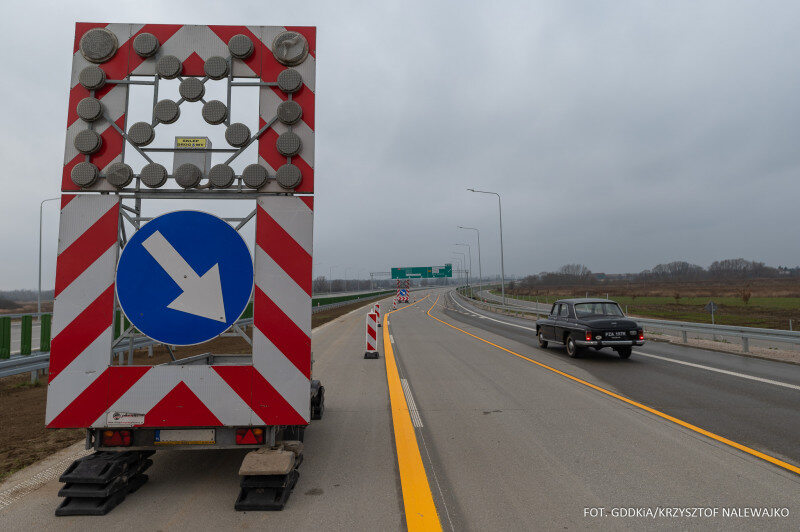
250	436
116	438
588	336
641	334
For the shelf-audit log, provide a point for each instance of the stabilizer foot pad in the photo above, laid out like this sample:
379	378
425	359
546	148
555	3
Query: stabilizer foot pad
267	492
96	484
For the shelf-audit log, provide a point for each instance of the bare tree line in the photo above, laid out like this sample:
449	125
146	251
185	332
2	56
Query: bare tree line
721	270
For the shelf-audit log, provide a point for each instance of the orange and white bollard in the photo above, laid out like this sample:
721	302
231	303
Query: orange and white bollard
376	308
372	336
394	303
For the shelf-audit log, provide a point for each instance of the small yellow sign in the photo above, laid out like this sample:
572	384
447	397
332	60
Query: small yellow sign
190	142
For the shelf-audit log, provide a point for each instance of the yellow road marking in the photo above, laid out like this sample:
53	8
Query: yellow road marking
417	497
721	439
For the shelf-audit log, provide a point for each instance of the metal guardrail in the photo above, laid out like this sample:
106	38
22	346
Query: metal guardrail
24	364
329	306
744	334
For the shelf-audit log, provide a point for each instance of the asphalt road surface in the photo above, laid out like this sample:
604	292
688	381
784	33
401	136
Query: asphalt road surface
753	401
505	443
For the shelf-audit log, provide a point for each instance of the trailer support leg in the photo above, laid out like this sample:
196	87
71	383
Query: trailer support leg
268	477
95	484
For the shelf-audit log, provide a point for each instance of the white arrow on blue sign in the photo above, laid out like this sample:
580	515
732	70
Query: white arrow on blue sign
184	278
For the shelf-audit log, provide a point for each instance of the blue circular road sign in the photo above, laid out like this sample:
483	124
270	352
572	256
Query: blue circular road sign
184	278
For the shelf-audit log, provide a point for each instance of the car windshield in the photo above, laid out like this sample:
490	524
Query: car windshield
597	309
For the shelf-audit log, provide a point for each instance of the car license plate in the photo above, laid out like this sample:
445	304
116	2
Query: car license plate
615	334
185	436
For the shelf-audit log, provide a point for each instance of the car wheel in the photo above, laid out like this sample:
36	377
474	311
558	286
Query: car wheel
542	341
572	350
624	352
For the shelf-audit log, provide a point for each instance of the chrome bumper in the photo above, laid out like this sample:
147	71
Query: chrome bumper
604	343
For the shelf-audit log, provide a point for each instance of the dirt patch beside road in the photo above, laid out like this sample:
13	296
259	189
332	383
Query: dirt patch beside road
23	438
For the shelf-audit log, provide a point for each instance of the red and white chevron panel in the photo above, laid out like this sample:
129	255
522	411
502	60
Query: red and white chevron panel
193	44
271	97
372	332
84	301
282	305
86	391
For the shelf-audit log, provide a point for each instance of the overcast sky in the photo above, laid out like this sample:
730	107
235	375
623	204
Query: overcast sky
619	134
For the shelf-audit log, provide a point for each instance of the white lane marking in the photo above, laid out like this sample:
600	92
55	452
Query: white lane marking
412	406
38	480
724	371
391	339
498	321
699	366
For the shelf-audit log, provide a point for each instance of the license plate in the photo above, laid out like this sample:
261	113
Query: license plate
615	334
185	436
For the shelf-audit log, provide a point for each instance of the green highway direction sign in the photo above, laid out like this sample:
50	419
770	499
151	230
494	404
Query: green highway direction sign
422	272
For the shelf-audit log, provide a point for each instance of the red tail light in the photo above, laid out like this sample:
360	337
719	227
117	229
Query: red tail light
251	436
641	334
588	336
116	438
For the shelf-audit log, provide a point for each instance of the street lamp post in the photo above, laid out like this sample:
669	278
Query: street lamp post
345	278
502	265
480	268
463	262
458	267
39	294
469	271
330	278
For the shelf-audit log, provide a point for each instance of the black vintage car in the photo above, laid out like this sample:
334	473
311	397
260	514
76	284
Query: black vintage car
581	323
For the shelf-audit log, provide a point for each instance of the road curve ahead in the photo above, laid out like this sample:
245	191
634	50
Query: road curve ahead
511	445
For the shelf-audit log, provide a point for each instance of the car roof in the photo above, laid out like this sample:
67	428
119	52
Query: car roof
584	300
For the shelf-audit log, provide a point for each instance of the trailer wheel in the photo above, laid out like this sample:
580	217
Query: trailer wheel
318	404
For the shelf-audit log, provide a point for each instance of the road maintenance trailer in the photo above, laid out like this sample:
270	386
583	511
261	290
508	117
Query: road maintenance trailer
185	277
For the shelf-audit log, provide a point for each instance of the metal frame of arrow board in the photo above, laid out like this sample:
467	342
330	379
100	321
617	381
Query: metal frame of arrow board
102	200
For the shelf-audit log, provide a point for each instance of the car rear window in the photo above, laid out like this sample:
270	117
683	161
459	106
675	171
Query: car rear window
597	309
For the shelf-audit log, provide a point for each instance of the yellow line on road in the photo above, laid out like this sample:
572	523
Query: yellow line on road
417	497
721	439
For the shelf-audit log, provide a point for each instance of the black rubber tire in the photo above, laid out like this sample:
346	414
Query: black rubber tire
624	352
542	341
572	350
318	406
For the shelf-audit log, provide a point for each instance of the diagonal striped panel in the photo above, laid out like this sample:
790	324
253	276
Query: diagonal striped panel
286	335
113	97
81	332
282	302
271	97
267	403
84	302
95	398
157	390
87	247
279	239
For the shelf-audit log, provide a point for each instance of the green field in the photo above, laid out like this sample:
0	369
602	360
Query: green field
769	312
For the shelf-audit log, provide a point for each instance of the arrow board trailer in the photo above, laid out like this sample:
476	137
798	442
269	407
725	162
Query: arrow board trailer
186	277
